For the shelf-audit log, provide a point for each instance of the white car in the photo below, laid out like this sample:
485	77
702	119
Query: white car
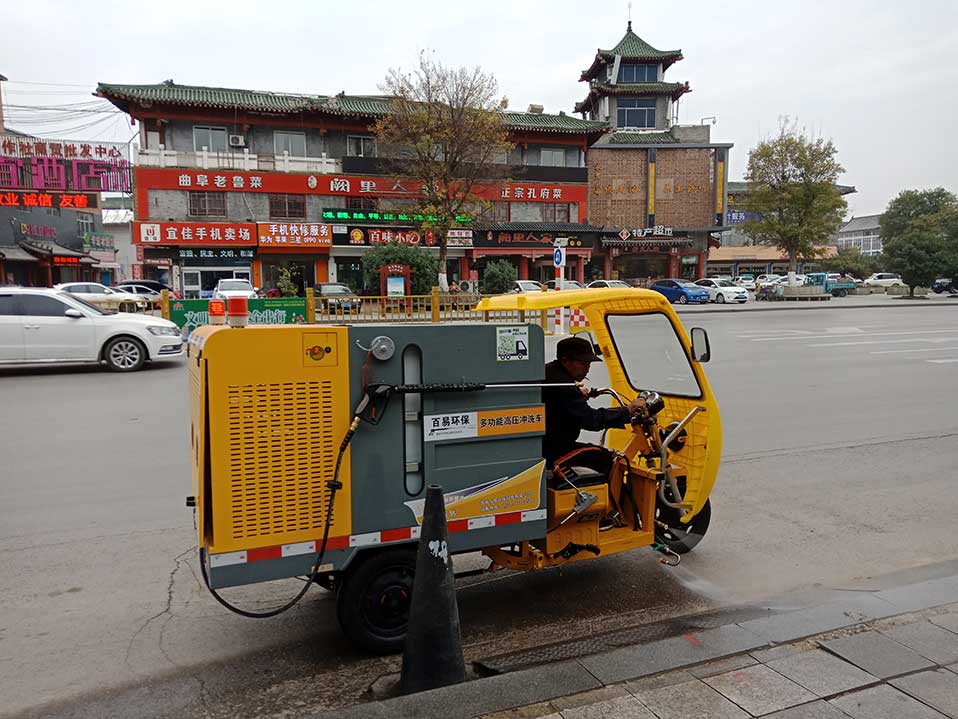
143	292
723	291
234	288
746	281
44	325
617	284
522	286
566	285
884	279
111	298
762	279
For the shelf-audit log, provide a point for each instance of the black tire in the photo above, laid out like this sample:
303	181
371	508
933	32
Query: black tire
720	298
373	600
124	354
682	538
683	300
842	292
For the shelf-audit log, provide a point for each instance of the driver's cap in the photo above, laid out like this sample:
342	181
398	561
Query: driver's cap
576	348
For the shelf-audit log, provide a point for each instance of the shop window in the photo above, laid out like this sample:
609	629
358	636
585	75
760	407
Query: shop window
287	207
495	212
555	212
292	142
638	73
362	203
84	223
212	138
357	146
208	204
635	113
552	157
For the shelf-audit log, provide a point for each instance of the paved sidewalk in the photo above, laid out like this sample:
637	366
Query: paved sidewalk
862	654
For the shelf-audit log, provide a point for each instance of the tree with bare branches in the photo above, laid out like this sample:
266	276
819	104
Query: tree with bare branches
445	129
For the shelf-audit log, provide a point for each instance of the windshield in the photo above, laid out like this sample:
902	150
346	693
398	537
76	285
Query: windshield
530	286
73	299
652	355
687	283
618	283
235	285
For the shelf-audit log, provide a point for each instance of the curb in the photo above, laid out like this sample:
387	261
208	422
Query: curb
553	681
800	306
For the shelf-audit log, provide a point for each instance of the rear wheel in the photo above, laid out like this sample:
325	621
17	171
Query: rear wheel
374	597
682	538
683	299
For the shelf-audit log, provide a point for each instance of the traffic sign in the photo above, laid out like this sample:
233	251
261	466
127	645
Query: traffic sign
558	257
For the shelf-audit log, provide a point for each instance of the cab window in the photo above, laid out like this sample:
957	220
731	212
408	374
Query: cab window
42	306
7	307
652	354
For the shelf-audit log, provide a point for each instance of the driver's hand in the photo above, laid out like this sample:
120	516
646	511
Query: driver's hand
637	405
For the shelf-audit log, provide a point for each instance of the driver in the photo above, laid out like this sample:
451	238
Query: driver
568	412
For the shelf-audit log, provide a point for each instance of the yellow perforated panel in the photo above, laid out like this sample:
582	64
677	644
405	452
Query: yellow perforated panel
280	457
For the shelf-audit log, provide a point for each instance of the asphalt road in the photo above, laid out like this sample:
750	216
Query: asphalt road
840	447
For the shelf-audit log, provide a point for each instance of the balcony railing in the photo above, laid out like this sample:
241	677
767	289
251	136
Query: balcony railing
240	160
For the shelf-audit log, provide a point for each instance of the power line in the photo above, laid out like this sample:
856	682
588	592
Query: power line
48	84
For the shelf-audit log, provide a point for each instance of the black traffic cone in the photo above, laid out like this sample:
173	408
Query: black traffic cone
432	655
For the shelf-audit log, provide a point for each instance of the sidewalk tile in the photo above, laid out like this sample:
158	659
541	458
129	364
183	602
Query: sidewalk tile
821	673
815	710
938	689
627	707
877	654
691	699
720	666
534	711
644	659
586	698
668	679
932	642
947	621
780	652
759	690
883	702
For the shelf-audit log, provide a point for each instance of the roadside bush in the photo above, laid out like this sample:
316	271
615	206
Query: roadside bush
499	277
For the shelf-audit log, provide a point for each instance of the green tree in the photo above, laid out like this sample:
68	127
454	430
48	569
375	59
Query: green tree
446	131
420	261
792	192
285	283
499	277
919	232
851	261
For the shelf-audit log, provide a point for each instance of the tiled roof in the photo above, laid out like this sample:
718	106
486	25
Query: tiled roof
366	106
858	224
649	89
632	47
533	227
738	187
640	138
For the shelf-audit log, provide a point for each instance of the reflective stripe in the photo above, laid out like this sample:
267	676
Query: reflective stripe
292	550
228	558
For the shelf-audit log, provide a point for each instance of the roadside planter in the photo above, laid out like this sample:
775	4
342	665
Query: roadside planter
190	314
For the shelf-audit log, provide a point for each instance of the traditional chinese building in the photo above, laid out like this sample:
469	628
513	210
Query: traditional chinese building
656	187
238	183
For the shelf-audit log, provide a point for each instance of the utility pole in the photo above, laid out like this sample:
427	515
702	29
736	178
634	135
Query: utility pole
2	80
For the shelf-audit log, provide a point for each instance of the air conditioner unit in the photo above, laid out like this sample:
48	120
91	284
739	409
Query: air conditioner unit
237	141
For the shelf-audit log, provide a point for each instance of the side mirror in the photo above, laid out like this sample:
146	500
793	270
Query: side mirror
75	314
701	352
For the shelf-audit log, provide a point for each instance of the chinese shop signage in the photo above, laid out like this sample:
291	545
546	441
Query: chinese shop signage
17	146
526	239
38	230
339	214
379	236
191	253
531	193
194	233
295	235
29	163
59	200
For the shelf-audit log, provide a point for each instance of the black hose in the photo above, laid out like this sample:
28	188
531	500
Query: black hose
334	485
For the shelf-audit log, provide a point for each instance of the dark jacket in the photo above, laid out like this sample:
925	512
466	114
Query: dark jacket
568	413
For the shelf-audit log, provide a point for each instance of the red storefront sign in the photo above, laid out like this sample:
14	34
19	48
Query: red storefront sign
54	174
157	178
18	146
382	236
25	200
194	233
66	261
295	236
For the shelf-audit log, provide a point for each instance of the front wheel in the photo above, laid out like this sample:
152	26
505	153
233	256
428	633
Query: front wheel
683	300
124	354
374	598
720	298
682	538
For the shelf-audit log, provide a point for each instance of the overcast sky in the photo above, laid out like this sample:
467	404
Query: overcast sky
878	78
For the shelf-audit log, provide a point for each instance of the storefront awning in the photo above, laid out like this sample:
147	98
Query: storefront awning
16	254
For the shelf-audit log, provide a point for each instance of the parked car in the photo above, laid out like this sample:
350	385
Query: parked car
225	289
566	285
723	291
154	285
720	277
143	292
681	291
765	278
746	281
884	279
49	325
338	297
618	284
943	284
117	300
521	286
839	277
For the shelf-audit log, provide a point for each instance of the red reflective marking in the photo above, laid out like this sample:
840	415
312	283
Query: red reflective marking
254	555
334	543
395	535
460	525
511	518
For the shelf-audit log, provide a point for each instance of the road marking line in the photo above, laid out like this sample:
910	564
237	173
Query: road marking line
943	361
926	349
864	334
885	342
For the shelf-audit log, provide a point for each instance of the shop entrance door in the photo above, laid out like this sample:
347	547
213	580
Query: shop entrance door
191	284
